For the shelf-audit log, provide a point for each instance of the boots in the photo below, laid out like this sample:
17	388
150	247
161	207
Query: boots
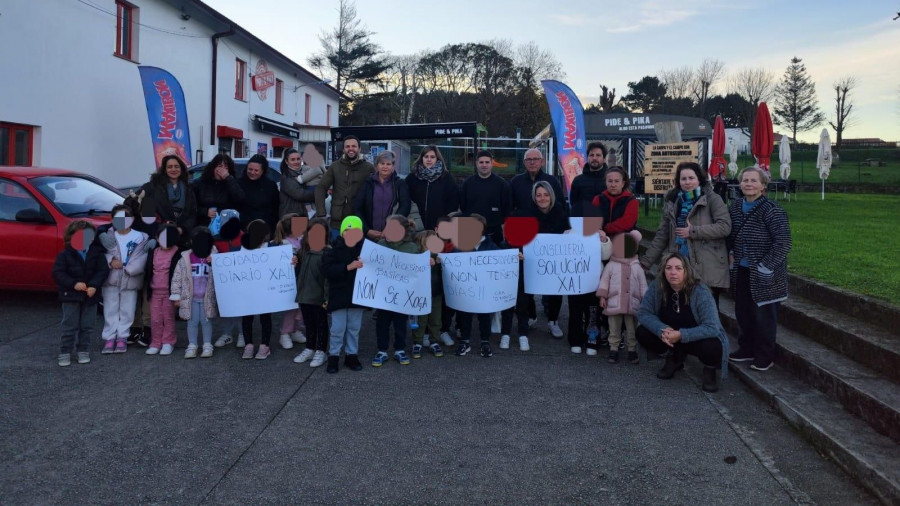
333	361
673	363
710	380
352	362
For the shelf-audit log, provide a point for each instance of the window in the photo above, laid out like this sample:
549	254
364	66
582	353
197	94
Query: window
308	103
126	30
240	73
241	148
328	115
13	199
279	96
16	142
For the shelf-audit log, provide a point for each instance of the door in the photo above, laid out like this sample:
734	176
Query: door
27	250
16	142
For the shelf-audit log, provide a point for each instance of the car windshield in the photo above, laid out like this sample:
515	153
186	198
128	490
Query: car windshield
74	195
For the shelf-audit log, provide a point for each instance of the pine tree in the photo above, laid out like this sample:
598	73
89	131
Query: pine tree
796	106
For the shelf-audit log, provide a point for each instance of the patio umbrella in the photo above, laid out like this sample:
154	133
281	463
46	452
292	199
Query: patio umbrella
717	164
732	159
823	161
784	156
762	141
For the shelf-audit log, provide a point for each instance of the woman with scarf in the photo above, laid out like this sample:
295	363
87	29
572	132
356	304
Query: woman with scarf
169	197
432	187
695	223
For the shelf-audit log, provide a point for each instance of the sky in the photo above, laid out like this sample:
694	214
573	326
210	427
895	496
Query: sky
612	43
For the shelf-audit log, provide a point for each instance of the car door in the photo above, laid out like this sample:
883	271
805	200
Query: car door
27	249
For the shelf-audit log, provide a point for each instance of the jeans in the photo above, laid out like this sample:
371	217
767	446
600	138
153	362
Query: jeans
198	319
316	326
345	325
579	315
383	328
758	324
76	326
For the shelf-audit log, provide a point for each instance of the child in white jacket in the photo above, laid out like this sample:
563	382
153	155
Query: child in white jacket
622	287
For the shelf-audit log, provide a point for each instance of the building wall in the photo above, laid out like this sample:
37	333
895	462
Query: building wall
87	104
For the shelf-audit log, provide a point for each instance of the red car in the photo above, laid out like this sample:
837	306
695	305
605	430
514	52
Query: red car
36	206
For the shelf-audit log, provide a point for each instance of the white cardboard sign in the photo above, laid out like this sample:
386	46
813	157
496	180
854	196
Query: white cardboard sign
250	282
481	281
562	264
392	280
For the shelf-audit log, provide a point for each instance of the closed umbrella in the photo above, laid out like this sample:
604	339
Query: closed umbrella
784	156
762	141
732	159
717	164
823	160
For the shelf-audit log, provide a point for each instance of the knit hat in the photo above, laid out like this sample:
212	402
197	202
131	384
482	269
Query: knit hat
351	222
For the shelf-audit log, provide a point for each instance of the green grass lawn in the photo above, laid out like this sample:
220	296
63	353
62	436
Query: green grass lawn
848	240
848	170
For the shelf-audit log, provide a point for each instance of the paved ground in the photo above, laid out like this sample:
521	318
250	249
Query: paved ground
537	427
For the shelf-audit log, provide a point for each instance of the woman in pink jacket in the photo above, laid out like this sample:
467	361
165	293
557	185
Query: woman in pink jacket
622	286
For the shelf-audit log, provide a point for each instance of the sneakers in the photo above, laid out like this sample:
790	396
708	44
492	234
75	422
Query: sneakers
417	351
740	356
166	349
504	342
633	357
555	331
263	352
350	362
64	359
224	340
591	352
532	322
248	352
613	357
333	363
207	351
523	343
486	350
760	366
401	357
134	333
191	351
304	356
463	348
298	337
109	346
446	339
145	338
380	358
153	350
121	345
575	349
84	357
436	350
318	359
240	341
285	341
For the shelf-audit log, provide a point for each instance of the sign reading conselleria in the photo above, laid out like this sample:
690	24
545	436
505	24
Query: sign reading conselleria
660	161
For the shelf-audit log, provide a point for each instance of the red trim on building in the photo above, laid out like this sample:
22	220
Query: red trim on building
278	142
228	132
13	157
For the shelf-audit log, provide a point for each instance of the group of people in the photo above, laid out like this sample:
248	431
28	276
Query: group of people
155	259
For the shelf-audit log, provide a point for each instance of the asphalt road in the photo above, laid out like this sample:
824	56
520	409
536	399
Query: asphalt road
539	427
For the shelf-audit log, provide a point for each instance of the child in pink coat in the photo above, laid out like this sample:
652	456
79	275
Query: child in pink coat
622	286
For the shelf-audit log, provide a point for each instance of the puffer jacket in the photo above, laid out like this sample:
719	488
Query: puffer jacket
70	269
311	279
131	275
296	195
345	178
710	226
623	293
763	238
183	289
340	280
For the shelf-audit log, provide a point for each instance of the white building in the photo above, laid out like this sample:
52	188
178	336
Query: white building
739	137
71	95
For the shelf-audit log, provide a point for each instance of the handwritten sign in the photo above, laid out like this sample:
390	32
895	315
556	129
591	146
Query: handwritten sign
258	281
392	280
481	281
660	161
562	264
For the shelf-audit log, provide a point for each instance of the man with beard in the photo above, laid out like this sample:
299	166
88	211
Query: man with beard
590	183
345	176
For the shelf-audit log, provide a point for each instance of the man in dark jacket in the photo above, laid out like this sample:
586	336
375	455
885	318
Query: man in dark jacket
523	184
344	177
590	183
488	195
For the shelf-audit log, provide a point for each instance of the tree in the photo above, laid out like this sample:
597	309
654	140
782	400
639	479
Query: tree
608	102
755	85
645	95
843	107
796	106
678	81
348	54
731	107
705	78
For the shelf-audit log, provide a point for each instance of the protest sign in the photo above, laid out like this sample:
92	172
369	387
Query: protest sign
392	280
660	161
258	281
481	281
562	264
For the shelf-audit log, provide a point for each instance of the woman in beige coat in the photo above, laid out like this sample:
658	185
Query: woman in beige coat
695	223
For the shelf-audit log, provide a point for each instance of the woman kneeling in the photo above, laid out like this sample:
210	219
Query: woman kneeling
679	313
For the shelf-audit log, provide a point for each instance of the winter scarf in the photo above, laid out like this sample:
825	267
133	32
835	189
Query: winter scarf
176	196
430	175
687	200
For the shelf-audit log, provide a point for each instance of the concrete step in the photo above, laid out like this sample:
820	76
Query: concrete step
873	311
860	340
860	390
873	459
